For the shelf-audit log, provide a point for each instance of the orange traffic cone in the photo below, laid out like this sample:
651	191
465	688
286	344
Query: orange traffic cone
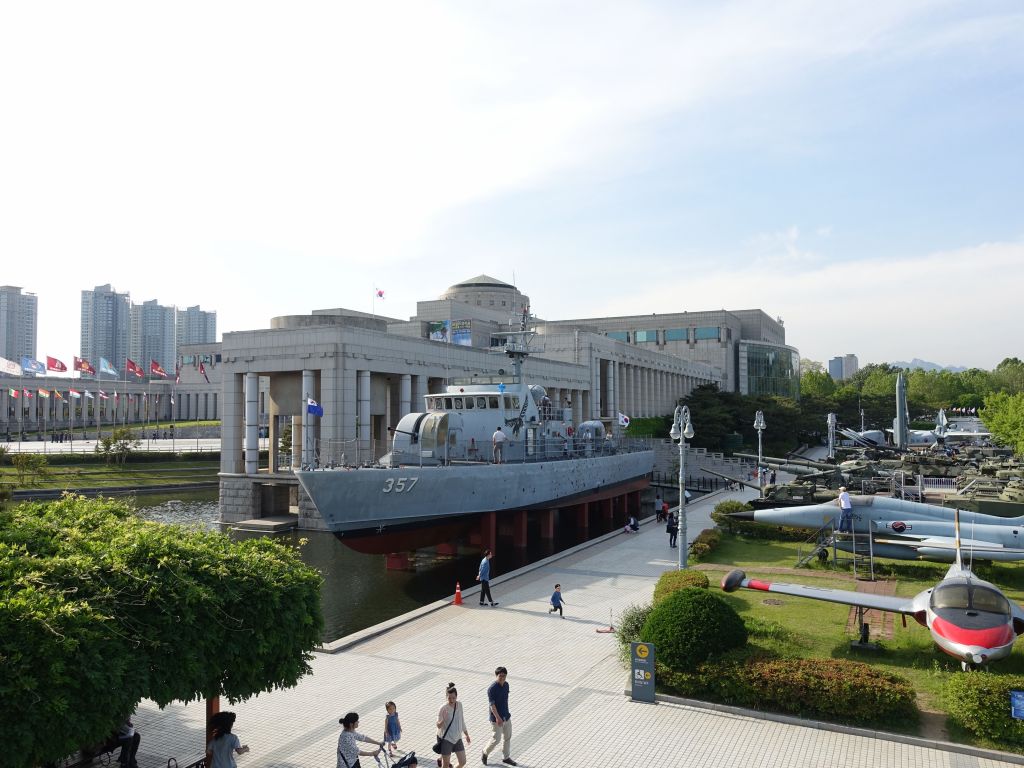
458	594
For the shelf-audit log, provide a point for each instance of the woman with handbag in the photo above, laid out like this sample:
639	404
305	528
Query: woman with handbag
348	752
450	724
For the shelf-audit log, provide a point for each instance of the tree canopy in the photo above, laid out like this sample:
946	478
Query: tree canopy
100	609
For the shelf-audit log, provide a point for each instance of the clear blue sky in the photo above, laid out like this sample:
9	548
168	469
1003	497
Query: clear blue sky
852	167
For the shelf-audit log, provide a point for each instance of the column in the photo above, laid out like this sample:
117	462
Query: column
404	395
363	401
252	443
296	442
637	394
577	406
609	389
419	391
308	432
232	459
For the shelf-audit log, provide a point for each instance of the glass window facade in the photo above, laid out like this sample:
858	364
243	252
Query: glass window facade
619	335
645	337
772	370
677	334
705	334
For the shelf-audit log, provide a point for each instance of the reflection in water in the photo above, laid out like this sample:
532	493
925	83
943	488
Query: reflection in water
358	590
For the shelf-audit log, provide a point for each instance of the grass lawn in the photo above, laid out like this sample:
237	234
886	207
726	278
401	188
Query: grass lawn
73	476
798	627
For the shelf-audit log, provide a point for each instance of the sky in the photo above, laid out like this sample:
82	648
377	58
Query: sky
855	168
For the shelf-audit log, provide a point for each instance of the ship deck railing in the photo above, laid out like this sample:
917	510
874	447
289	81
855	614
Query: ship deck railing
347	453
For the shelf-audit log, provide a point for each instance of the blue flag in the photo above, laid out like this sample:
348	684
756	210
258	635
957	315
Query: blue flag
313	407
32	367
106	368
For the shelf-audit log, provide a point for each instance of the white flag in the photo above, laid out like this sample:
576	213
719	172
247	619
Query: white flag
623	420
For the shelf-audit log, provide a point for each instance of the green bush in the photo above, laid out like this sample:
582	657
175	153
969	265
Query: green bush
980	703
691	625
672	581
835	690
631	621
705	543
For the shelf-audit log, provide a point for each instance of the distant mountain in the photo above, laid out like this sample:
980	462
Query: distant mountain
924	365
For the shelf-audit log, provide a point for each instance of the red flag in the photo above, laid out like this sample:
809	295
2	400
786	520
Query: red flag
53	364
202	370
84	366
26	393
177	374
131	366
156	370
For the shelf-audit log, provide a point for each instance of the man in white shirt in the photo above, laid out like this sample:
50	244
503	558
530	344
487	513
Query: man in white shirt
846	507
498	440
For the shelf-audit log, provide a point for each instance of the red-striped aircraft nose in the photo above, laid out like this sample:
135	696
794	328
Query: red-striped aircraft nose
991	637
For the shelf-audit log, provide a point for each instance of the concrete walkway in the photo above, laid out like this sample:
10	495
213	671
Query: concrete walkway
566	685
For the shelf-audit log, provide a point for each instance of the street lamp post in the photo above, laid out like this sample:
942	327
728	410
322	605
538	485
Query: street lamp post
759	426
682	430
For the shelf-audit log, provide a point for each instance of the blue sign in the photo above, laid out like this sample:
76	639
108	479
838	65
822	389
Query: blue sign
501	386
1017	704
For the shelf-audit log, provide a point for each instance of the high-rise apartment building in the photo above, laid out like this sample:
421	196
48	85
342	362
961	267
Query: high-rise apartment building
106	326
153	335
842	368
196	327
19	316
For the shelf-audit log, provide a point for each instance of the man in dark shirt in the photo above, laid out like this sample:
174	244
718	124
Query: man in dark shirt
500	717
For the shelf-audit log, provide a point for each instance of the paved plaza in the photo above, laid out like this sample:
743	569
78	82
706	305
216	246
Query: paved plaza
566	685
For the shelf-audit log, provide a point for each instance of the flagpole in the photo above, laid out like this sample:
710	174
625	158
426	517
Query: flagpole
71	419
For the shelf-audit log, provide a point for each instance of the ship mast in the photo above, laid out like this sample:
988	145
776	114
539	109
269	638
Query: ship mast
517	344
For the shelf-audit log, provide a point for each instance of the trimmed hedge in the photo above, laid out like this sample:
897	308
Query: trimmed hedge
705	543
672	581
836	690
690	626
979	702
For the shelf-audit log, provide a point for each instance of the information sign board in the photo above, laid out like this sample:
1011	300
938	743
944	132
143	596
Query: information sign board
642	655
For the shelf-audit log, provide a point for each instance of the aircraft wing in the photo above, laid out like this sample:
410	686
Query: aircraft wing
738	579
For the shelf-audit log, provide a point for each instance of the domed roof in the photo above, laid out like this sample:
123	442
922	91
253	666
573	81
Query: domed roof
482	281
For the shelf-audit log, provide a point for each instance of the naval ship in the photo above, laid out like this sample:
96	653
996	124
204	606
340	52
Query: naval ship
439	475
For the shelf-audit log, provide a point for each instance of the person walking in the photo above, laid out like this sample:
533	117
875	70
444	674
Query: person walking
451	726
846	511
672	529
657	508
484	577
224	745
500	717
498	440
348	752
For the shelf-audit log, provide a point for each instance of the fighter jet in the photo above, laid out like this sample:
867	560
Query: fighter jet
969	619
907	530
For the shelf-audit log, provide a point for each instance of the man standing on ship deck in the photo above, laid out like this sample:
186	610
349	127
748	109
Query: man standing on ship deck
498	440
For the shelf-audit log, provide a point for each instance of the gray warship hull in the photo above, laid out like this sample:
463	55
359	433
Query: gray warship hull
389	509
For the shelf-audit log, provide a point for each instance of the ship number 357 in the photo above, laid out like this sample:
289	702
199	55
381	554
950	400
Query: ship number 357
400	485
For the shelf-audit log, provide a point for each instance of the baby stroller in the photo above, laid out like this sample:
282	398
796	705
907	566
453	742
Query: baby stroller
407	760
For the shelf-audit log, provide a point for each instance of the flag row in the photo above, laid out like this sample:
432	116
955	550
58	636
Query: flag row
75	394
31	367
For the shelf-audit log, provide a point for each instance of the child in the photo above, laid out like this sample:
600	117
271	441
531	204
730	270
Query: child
556	601
392	728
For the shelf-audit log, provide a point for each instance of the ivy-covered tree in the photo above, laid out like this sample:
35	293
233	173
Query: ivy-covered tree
100	609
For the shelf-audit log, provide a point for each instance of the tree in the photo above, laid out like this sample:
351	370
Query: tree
118	446
810	365
99	609
816	384
35	465
1003	415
